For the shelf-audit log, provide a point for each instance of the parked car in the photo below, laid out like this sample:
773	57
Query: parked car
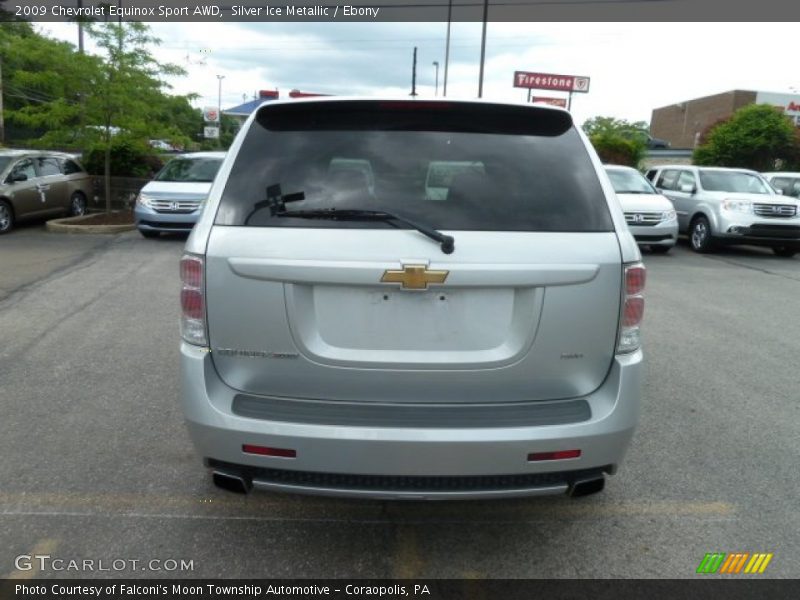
729	206
173	201
784	182
35	184
656	143
650	216
477	343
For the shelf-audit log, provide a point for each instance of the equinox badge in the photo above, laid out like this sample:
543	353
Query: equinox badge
414	277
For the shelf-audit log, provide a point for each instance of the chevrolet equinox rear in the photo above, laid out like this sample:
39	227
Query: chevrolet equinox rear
411	299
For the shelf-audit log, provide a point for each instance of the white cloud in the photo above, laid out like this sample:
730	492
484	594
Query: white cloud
634	67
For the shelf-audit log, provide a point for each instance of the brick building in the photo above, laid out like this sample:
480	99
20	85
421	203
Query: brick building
682	123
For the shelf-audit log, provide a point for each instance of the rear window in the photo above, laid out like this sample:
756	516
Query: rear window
449	166
788	185
70	167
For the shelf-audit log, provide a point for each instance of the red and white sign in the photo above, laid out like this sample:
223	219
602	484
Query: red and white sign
562	102
211	114
551	81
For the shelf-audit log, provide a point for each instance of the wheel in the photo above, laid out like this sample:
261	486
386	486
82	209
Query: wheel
149	234
660	249
77	205
6	217
700	235
785	251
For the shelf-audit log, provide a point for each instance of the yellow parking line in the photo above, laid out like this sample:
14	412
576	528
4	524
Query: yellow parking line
258	506
43	547
407	561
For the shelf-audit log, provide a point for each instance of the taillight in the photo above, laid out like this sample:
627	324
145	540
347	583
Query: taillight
193	304
632	308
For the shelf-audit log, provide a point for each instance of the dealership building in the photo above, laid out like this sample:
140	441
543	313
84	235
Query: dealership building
681	124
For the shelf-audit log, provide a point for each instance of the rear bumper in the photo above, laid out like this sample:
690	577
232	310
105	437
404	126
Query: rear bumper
409	462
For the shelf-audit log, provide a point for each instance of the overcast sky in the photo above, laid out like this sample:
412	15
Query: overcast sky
634	67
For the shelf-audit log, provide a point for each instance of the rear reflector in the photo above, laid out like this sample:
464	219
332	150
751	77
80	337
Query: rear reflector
558	455
634	311
264	451
192	303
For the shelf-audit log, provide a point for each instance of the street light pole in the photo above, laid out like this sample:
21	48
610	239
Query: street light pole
436	64
219	96
447	47
483	47
219	107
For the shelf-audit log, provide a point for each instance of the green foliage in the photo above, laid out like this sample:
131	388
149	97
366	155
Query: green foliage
44	82
129	157
617	127
615	149
58	98
757	137
618	141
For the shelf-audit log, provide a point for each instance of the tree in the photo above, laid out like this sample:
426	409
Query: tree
44	82
127	85
755	137
621	127
618	141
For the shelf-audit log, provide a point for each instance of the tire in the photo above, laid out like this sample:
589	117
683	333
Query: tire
660	249
77	205
700	235
149	234
785	251
6	217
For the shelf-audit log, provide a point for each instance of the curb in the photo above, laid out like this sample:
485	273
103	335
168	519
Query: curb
72	225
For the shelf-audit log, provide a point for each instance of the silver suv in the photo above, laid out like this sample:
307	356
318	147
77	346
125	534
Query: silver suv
729	206
408	299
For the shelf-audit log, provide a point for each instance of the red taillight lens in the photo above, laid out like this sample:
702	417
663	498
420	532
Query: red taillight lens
265	451
629	337
634	311
557	455
192	271
193	316
192	303
635	277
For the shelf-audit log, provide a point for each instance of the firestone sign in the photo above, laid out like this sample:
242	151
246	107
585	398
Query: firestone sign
562	102
551	81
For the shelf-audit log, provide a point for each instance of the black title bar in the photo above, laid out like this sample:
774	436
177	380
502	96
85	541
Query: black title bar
401	10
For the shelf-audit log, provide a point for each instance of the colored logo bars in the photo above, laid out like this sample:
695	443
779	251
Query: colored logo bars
734	563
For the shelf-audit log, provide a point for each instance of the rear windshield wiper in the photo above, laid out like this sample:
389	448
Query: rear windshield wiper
447	243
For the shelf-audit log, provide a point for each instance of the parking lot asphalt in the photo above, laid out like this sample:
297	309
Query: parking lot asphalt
97	464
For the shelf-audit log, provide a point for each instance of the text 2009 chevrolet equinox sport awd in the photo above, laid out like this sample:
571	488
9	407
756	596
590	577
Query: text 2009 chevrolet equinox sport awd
411	299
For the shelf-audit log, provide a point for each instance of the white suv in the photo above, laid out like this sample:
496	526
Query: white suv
411	299
729	206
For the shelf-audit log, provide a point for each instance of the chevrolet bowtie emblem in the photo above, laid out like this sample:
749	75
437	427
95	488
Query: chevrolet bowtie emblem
414	277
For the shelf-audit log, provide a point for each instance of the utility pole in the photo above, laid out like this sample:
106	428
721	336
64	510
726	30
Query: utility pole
80	27
447	47
483	47
414	74
436	89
